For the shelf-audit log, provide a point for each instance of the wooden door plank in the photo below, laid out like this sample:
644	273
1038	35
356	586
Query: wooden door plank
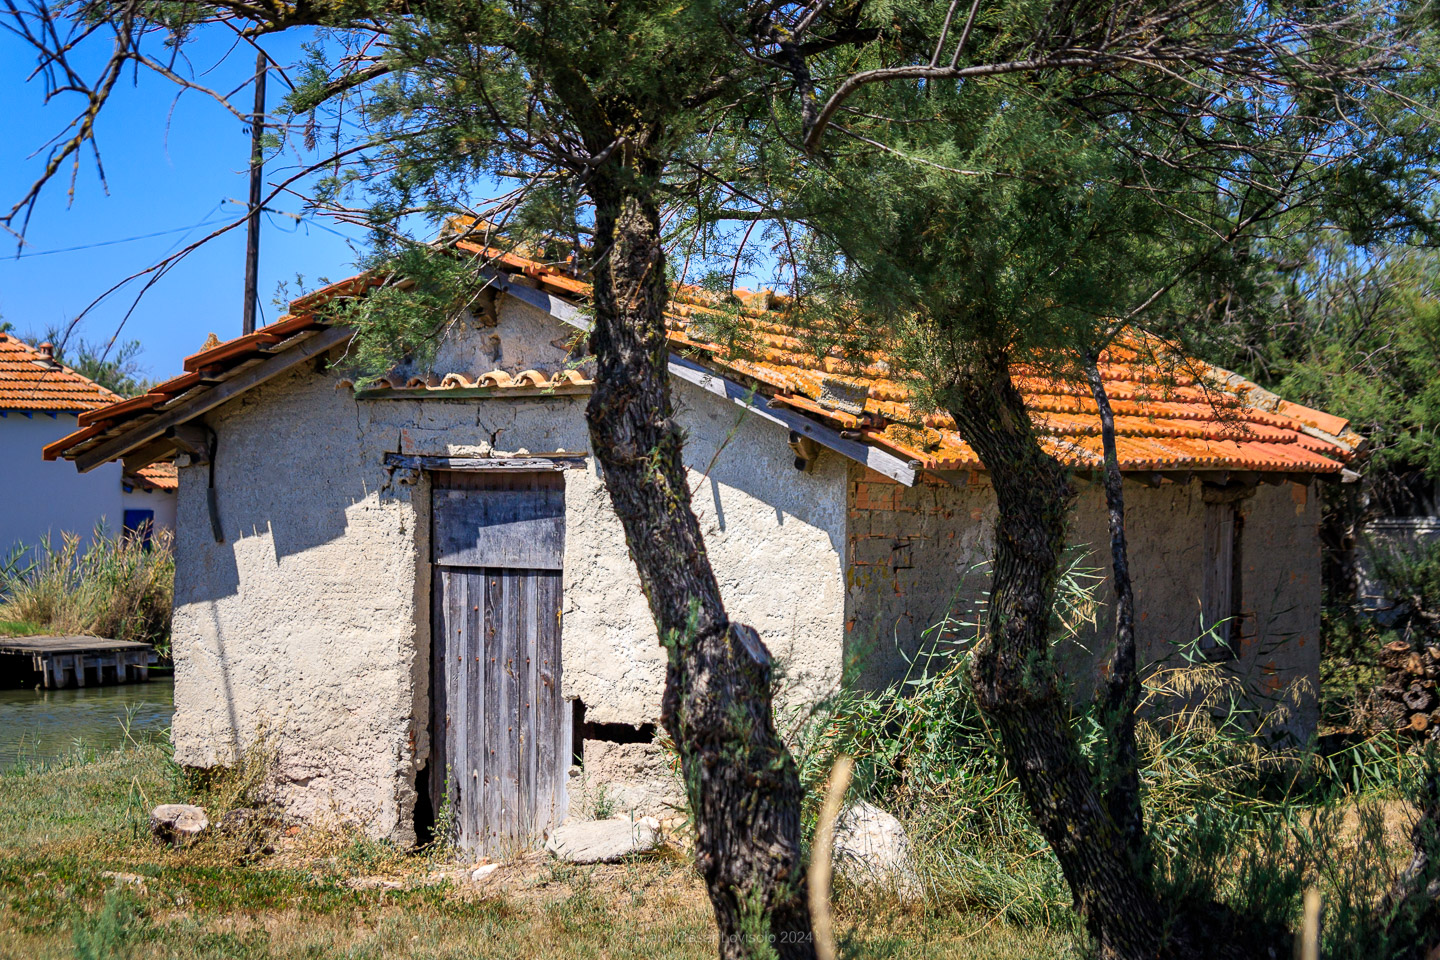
509	722
564	716
495	698
459	695
525	684
475	692
500	528
551	766
439	722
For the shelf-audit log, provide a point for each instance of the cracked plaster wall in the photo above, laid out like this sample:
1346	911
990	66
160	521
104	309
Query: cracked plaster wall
311	620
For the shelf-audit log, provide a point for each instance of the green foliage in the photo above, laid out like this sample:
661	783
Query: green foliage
108	933
1413	572
602	804
1354	332
403	323
118	587
115	366
1230	820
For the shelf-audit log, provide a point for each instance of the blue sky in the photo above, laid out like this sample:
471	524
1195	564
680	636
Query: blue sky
159	180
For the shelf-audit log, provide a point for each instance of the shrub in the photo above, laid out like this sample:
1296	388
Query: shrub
1233	817
118	587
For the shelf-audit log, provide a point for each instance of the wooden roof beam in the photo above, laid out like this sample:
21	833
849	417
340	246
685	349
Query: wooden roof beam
133	439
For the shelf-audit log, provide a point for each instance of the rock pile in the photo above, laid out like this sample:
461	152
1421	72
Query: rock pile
1407	699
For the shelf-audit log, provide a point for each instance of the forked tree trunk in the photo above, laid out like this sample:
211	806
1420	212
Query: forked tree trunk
742	784
1014	675
1121	695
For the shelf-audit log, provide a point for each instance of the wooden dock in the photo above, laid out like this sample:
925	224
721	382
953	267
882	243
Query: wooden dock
69	661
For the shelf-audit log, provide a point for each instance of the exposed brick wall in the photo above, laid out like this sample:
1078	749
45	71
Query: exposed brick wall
913	558
917	557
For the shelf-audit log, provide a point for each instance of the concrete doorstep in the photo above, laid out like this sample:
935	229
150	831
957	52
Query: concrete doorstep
604	841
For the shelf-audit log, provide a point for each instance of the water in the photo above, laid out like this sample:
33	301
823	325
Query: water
43	724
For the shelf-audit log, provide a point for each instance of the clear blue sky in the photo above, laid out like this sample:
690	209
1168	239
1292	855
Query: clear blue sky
159	180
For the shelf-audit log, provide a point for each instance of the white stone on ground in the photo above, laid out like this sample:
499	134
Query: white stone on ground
483	871
127	880
872	850
178	822
604	841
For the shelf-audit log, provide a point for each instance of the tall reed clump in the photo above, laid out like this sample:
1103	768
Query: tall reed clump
120	587
1235	814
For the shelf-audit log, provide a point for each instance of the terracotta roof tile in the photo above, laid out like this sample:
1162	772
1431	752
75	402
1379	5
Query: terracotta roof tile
30	382
497	381
157	476
1176	415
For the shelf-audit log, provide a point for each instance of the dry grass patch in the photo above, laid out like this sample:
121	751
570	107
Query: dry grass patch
322	893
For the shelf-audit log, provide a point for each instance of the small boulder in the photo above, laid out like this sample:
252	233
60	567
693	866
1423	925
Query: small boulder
178	823
483	871
374	883
132	880
604	841
873	850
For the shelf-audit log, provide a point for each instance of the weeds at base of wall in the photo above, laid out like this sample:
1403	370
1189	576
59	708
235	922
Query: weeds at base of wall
1231	820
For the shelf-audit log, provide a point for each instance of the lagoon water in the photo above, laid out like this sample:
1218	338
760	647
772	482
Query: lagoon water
44	724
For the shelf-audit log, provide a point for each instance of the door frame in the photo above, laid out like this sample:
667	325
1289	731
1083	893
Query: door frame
434	470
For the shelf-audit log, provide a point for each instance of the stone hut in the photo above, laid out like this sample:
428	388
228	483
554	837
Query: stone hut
417	590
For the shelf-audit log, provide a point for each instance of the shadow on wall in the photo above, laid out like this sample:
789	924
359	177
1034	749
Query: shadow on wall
298	512
737	453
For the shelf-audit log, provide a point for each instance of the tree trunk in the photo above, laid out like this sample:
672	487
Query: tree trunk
741	781
1121	697
1014	676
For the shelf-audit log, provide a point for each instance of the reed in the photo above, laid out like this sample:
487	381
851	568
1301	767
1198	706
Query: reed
118	587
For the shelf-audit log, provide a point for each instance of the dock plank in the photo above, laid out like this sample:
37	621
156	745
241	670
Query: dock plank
53	645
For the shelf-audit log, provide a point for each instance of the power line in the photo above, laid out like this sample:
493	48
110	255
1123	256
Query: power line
110	243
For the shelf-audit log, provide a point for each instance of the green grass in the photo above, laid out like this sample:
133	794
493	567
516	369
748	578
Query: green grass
19	628
63	824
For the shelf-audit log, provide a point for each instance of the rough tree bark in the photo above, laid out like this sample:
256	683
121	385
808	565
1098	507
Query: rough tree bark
742	783
1017	688
1121	694
1013	673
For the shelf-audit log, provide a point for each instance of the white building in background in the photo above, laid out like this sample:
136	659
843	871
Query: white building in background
40	402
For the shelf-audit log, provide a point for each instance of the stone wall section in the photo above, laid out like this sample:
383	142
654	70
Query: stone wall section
918	568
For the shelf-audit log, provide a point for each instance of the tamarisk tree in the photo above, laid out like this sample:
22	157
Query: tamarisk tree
1003	192
589	110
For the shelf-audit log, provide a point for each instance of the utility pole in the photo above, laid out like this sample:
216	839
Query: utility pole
252	229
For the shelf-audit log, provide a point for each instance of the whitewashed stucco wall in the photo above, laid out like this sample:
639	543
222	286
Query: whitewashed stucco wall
39	497
311	620
298	629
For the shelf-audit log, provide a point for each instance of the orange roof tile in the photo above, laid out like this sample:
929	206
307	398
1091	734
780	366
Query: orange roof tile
1187	416
157	476
30	382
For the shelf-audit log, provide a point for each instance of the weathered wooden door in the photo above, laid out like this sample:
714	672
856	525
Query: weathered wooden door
501	746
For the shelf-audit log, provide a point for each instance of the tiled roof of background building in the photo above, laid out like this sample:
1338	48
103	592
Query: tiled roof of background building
31	380
157	476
